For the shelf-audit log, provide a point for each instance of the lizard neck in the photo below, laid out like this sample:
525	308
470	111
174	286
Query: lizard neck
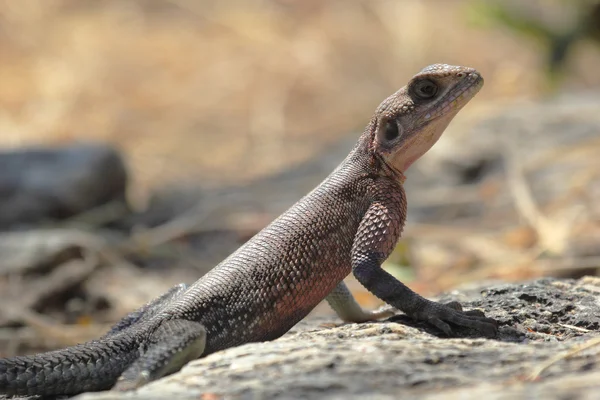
365	155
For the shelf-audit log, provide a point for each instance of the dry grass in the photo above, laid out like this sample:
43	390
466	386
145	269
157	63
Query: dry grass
223	91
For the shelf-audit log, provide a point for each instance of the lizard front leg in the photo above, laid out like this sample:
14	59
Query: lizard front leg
343	303
377	235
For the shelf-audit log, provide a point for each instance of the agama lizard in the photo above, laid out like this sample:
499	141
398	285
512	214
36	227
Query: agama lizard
349	223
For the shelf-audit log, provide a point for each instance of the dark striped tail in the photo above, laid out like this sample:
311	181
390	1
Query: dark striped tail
91	366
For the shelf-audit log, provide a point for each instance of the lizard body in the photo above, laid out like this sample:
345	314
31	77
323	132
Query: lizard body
349	223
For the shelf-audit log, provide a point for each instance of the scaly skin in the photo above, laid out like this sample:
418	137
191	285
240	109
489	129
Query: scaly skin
349	223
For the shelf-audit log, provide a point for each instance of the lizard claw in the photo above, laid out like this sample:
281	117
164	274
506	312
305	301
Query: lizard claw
458	307
441	315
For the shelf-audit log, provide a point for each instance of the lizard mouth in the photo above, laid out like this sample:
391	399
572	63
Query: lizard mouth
455	98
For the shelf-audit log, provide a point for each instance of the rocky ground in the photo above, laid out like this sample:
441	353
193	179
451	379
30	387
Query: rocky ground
548	348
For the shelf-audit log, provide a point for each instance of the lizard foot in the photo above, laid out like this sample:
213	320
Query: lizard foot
440	315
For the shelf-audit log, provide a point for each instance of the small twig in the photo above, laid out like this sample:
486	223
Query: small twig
535	374
98	216
67	276
553	234
575	328
173	229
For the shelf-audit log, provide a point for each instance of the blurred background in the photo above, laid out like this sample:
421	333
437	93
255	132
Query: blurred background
143	141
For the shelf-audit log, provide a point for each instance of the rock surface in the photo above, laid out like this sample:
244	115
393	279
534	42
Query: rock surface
399	358
38	185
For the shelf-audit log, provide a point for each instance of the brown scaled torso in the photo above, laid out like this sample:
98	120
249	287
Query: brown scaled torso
293	265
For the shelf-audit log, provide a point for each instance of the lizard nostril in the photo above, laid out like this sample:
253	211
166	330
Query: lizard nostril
461	74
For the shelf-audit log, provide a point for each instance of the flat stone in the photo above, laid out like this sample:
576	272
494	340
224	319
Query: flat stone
408	360
44	184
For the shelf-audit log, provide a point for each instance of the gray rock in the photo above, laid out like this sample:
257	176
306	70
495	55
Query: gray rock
388	360
46	184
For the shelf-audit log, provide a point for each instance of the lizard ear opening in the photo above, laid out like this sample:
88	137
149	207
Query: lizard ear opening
389	130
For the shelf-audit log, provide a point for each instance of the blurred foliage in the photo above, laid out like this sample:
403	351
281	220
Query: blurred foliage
399	264
219	91
557	25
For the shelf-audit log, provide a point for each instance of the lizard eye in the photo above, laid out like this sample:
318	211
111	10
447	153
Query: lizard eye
424	89
391	131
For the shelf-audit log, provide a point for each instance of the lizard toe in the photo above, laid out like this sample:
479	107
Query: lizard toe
455	305
441	315
441	325
475	319
475	313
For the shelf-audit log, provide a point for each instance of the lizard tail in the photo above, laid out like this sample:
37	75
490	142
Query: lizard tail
90	366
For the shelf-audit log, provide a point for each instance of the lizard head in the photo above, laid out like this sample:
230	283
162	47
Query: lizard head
411	120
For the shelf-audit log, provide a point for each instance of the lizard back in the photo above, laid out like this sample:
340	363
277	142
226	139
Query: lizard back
277	277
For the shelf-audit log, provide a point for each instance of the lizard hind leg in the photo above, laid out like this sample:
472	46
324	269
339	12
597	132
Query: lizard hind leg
174	343
344	304
148	310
